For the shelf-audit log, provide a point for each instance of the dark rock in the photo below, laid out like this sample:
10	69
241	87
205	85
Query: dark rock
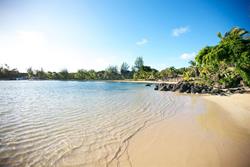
203	91
228	91
195	89
170	86
240	91
198	89
163	88
162	84
183	87
177	86
192	90
215	91
209	89
156	87
205	87
235	89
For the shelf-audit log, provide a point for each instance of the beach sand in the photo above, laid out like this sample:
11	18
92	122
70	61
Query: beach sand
216	136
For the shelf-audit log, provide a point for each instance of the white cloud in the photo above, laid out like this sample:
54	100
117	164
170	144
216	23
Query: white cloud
178	31
143	41
188	56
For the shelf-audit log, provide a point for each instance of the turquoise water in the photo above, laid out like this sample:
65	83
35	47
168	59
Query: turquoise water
70	123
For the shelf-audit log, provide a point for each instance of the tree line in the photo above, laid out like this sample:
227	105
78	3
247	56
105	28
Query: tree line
138	71
226	64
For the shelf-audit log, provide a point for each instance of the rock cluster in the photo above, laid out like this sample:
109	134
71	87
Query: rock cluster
148	84
189	87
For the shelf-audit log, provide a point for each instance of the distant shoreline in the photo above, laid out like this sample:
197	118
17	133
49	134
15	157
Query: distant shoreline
143	81
126	80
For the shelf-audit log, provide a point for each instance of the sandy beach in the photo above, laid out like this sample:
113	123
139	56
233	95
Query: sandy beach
120	124
217	135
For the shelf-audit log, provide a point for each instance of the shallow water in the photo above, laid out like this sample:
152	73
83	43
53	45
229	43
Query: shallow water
69	123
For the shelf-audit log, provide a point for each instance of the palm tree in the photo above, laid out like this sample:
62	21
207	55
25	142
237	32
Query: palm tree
194	68
235	32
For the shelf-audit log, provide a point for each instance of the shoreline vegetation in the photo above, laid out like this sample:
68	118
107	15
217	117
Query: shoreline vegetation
220	69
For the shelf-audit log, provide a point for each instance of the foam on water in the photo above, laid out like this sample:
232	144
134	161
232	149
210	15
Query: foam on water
68	123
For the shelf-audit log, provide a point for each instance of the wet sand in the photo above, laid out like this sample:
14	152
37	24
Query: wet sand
213	134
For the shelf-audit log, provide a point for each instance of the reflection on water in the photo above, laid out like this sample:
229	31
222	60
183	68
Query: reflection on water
67	123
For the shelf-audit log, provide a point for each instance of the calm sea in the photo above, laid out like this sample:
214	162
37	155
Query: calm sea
70	123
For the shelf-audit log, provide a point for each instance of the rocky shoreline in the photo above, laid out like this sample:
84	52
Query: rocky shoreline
195	88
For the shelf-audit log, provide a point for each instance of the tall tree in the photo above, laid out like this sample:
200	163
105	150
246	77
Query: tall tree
30	72
138	63
193	67
64	74
112	73
124	70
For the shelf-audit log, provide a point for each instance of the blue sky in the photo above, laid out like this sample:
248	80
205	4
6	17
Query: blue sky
93	34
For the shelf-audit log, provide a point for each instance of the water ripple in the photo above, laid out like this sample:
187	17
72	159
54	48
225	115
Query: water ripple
56	123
